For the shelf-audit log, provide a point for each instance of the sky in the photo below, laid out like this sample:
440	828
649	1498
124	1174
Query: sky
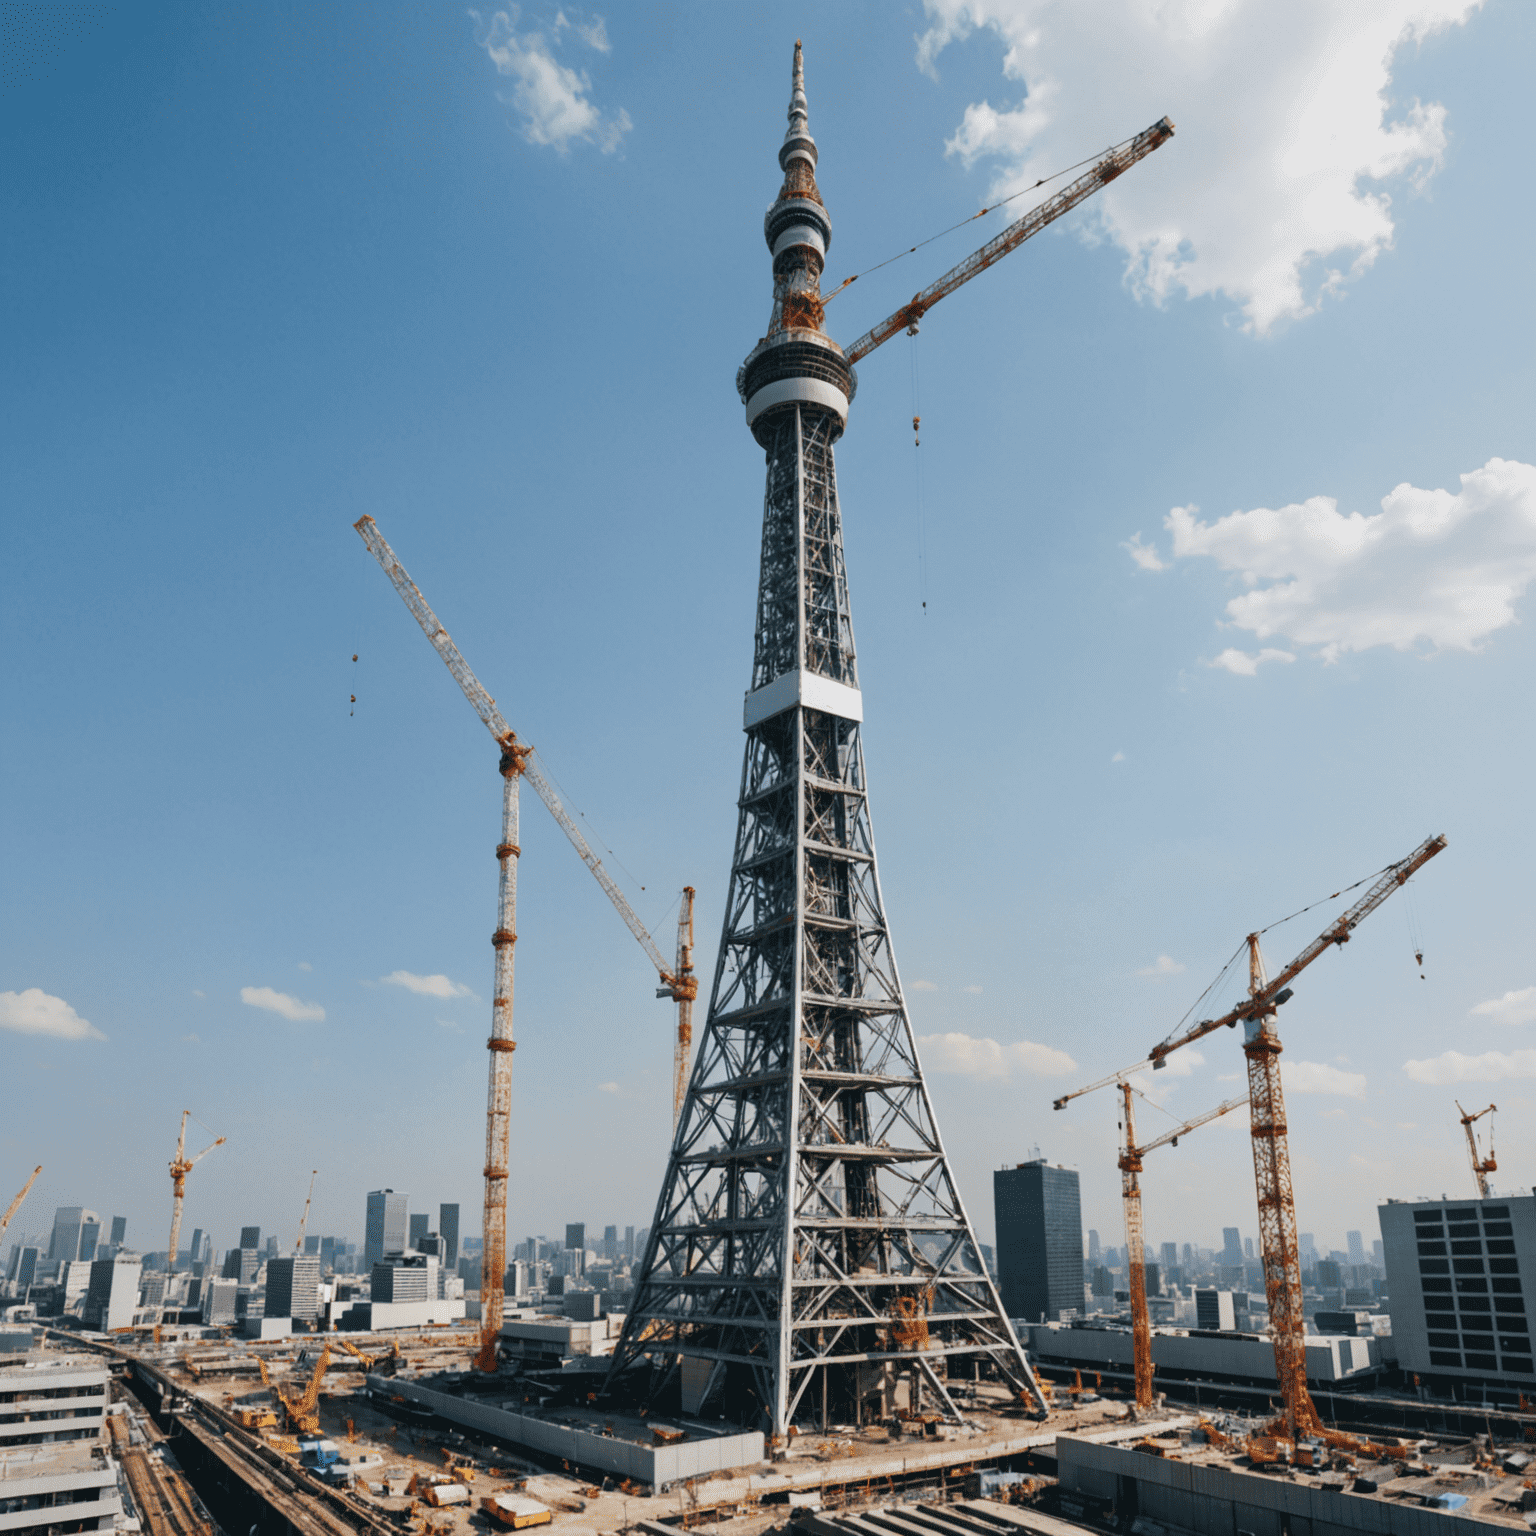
1205	595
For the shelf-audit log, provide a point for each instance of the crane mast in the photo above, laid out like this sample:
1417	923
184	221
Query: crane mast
683	970
15	1204
1481	1166
518	762
181	1166
298	1242
1100	174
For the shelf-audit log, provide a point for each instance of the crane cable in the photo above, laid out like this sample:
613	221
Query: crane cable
917	470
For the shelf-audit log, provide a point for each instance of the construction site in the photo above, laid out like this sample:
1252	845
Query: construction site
814	1340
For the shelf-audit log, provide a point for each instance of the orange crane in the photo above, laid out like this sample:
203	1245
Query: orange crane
518	761
1481	1166
1131	1155
181	1166
1271	1149
15	1204
298	1242
684	967
1103	171
303	1411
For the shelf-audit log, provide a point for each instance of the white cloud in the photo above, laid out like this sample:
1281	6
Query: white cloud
1513	1008
1320	1077
280	1002
1436	568
448	1024
1164	965
967	1056
552	99
35	1012
1245	663
973	990
1271	193
1143	554
426	986
922	986
1454	1067
1119	757
196	993
593	33
304	965
1180	1064
607	1087
192	1039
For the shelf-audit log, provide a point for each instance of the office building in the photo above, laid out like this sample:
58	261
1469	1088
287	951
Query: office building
448	1230
1456	1273
420	1225
220	1302
387	1228
196	1254
113	1292
293	1288
576	1235
312	1245
118	1232
610	1243
1218	1310
70	1223
1170	1256
1153	1278
1231	1247
241	1264
1095	1252
407	1277
1330	1275
1356	1247
50	1398
250	1237
629	1244
1039	1221
90	1235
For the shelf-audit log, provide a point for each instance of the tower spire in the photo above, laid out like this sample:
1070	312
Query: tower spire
810	1257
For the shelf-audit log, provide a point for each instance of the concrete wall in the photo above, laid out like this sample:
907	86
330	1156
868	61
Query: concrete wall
658	1465
1213	1501
42	1475
81	1410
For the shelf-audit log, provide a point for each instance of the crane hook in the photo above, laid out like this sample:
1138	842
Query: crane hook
916	420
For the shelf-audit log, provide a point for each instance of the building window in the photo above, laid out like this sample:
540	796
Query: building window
1434	1266
1423	1218
1466	1231
1508	1304
1441	1357
1467	1266
1519	1346
1466	1247
1444	1341
1505	1285
1504	1266
1439	1319
1475	1304
1469	1283
1481	1363
1462	1213
1431	1250
1520	1363
1495	1210
1500	1245
1445	1285
1497	1229
1477	1341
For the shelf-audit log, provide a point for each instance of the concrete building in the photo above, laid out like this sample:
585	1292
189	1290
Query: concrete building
293	1288
36	1481
241	1264
1231	1247
69	1224
113	1292
386	1232
1456	1275
408	1277
420	1225
1039	1220
52	1398
1217	1310
220	1298
250	1237
448	1230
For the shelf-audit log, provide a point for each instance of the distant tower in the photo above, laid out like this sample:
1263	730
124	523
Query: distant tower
810	1257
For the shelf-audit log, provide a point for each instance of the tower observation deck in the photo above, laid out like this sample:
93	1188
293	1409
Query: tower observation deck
810	1259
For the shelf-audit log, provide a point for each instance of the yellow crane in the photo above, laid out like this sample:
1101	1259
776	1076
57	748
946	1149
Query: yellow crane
303	1410
298	1242
518	762
15	1204
1131	1155
1271	1145
181	1166
1481	1166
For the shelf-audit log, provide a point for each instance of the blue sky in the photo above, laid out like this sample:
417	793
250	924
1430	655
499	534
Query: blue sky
488	278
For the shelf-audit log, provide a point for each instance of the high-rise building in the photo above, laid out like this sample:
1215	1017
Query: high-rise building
1329	1275
250	1237
610	1242
90	1235
219	1301
806	1105
1217	1310
448	1228
1306	1246
1170	1255
629	1244
197	1240
1188	1252
1457	1275
1152	1278
420	1225
1095	1253
69	1222
387	1226
1039	1240
293	1288
576	1234
1356	1246
26	1268
312	1243
113	1292
119	1233
1231	1246
405	1277
241	1264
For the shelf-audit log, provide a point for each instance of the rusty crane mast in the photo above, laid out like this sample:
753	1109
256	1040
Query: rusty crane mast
181	1166
519	761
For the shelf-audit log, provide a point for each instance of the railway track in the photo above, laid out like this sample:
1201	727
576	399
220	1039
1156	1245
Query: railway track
162	1497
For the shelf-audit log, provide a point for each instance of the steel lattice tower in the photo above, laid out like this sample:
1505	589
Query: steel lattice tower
810	1257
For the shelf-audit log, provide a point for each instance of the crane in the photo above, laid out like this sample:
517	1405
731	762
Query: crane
181	1166
303	1410
298	1242
518	761
683	968
1103	171
1481	1167
1271	1149
1131	1155
15	1205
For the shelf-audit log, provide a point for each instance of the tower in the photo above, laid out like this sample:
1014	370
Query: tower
810	1258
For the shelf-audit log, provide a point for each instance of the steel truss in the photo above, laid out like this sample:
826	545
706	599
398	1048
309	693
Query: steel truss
810	1257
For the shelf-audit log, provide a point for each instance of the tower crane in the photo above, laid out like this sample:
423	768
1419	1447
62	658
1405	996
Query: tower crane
518	762
1135	1245
181	1166
15	1205
298	1242
1103	171
1481	1166
1271	1148
684	967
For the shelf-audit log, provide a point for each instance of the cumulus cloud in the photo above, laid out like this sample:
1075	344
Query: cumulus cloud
607	1087
426	986
1319	1077
975	991
1513	1008
281	1003
1455	1067
1181	1064
1246	663
922	986
1144	554
1442	569
1164	965
552	99
35	1012
1274	192
967	1056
